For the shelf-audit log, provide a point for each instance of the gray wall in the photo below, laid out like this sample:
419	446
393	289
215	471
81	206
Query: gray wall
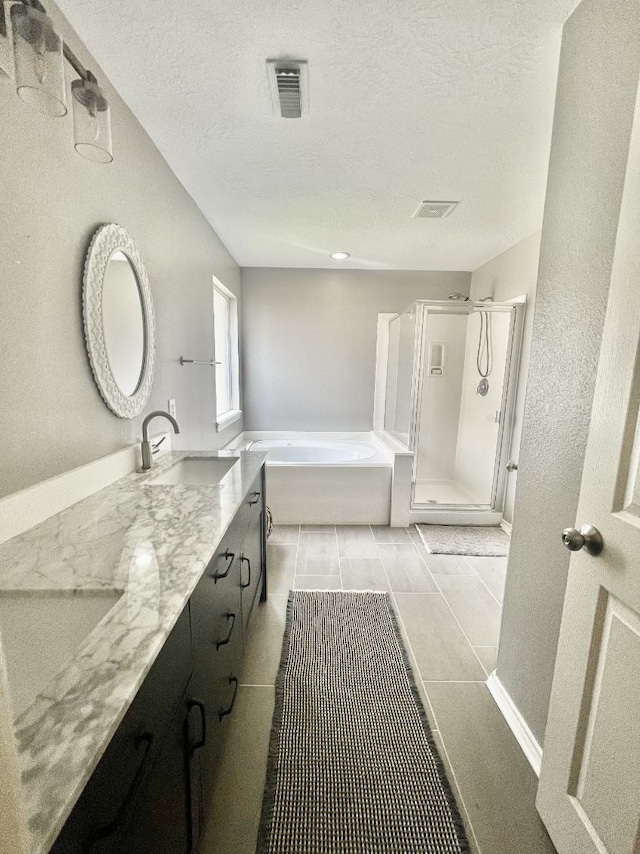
310	342
598	79
512	274
52	417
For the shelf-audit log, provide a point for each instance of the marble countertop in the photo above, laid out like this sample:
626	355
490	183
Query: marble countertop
152	543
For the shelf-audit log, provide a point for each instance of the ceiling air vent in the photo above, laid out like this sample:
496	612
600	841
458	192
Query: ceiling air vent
434	210
288	80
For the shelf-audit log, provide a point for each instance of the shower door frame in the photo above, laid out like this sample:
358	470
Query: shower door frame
509	391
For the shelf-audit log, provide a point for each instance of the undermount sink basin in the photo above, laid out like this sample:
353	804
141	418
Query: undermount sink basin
196	471
42	630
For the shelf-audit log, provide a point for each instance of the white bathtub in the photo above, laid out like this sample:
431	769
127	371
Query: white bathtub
324	478
314	451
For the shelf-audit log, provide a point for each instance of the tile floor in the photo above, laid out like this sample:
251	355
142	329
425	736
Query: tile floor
449	609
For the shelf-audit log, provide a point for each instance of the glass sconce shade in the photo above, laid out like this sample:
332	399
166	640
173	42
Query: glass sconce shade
91	120
39	64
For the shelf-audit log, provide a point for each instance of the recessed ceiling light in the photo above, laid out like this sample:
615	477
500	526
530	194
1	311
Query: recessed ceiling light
340	256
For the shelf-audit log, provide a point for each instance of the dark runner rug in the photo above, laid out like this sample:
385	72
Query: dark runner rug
352	766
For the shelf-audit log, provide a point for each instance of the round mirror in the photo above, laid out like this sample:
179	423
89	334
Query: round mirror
123	323
118	321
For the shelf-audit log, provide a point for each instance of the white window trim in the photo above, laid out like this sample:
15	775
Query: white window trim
235	413
226	420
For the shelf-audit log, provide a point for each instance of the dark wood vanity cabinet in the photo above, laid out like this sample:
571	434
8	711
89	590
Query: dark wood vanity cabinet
144	778
147	793
221	606
216	621
252	552
162	820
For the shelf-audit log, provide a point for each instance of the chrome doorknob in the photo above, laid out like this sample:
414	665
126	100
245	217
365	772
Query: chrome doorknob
587	537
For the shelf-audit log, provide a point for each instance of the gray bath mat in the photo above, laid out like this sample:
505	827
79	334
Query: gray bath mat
352	763
464	540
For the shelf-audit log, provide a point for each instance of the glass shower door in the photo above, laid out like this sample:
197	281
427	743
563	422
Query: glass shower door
462	404
400	362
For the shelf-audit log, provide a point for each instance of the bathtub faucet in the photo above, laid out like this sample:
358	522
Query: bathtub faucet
147	453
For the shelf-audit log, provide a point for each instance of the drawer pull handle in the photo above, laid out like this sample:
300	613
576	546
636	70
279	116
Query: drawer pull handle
146	739
228	556
255	498
232	618
248	562
232	681
203	724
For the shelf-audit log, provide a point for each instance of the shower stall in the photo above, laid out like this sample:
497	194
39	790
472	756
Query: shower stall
450	389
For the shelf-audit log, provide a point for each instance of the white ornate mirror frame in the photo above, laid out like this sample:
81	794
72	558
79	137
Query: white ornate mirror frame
108	239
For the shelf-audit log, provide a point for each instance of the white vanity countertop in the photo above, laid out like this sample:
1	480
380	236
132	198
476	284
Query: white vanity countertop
151	542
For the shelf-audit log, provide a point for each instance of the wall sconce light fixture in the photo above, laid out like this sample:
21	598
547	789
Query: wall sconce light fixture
36	63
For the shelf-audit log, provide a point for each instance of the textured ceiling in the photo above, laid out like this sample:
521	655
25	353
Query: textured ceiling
413	100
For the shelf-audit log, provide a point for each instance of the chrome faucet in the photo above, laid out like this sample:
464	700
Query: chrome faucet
147	452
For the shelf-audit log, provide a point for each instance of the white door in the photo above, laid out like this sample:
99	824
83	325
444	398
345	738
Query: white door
589	793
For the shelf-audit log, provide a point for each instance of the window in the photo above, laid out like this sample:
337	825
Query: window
225	332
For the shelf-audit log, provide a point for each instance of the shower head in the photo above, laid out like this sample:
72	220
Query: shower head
458	297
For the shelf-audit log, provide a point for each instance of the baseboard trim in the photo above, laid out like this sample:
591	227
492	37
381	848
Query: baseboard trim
516	722
506	526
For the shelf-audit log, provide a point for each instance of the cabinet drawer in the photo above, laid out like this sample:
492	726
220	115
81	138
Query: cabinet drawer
215	615
219	703
250	509
162	822
104	808
228	663
216	620
251	568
